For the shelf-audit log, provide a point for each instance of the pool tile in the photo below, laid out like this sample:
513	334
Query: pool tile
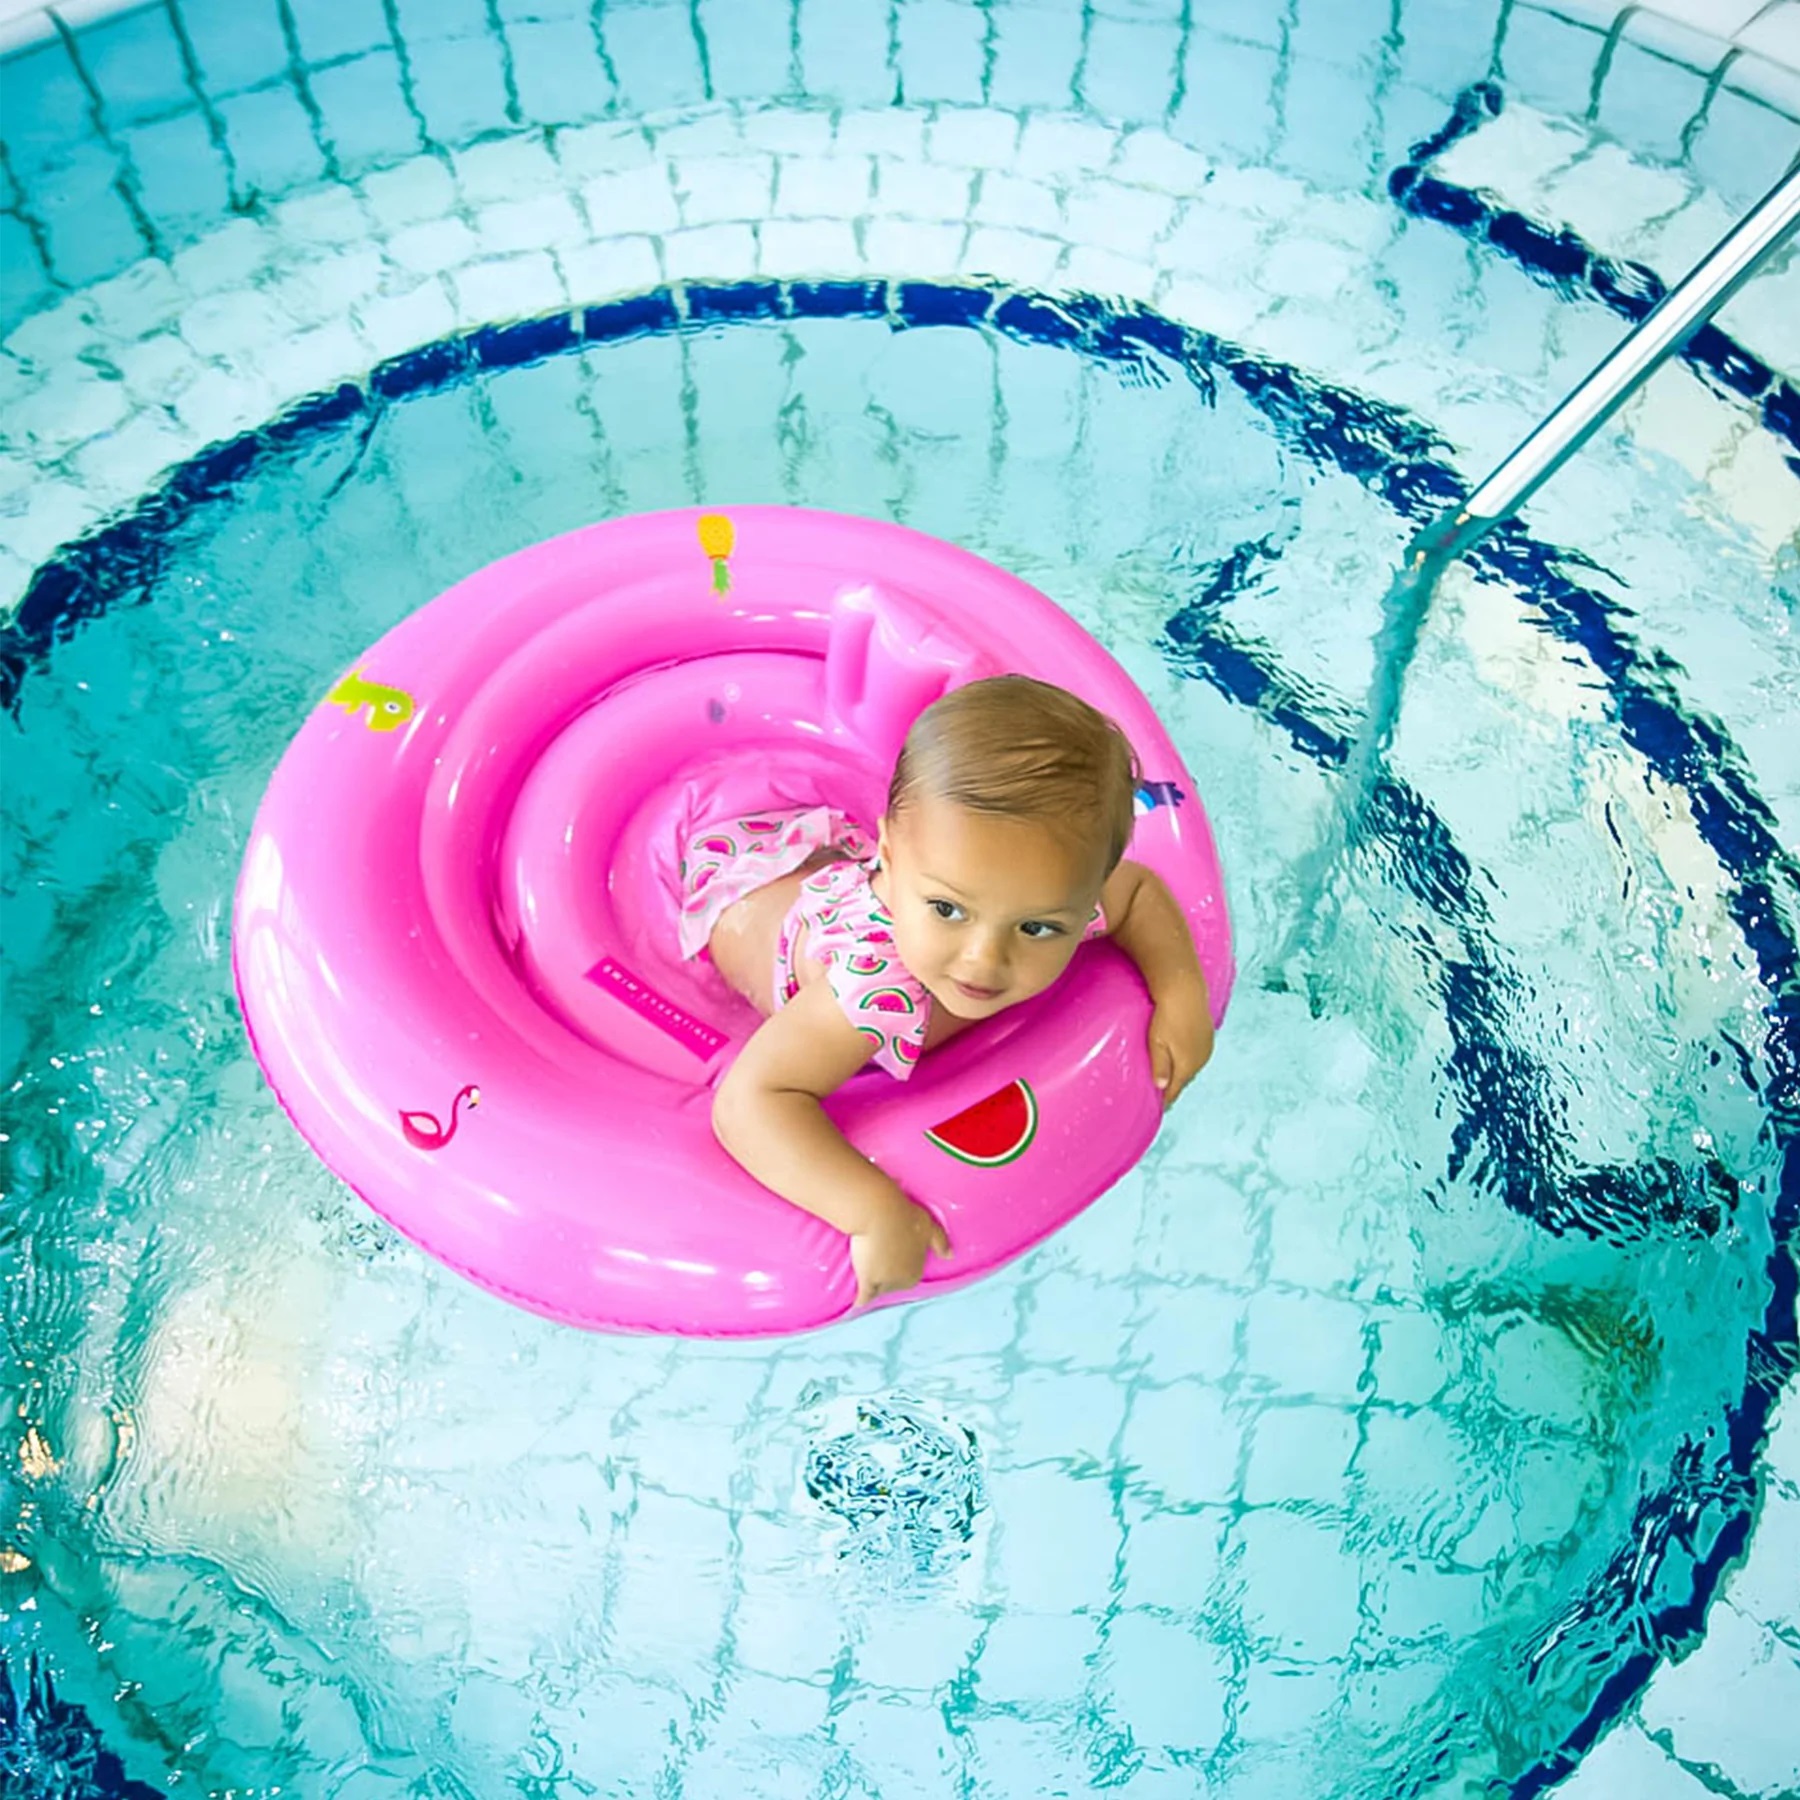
1018	257
1607	195
1741	148
1214	241
918	1652
237	321
1410	1366
1110	217
1549	62
1036	51
1228	93
458	86
1775	33
507	287
45	110
972	137
892	131
1131	66
786	133
73	404
720	252
1305	1344
748	51
920	190
1700	1705
134	61
584	150
1300	1453
364	114
238	44
271	140
620	265
1051	147
918	248
1184	1442
309	362
1037	1659
405	318
1011	200
823	186
220	403
157	367
712	189
557	72
1055	1540
1301	1591
180	176
1170	1684
943	51
421	188
640	200
1776	84
1072	1418
1105	272
428	249
1172	1559
653	57
1153	159
812	247
418	21
1628	1762
229	257
1288	1700
505	169
25	285
90	231
843	46
329	29
1443	49
543	223
1324	131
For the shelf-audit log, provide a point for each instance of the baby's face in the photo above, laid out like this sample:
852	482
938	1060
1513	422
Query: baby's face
987	911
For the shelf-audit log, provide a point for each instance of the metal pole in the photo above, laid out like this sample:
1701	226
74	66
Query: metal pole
1687	306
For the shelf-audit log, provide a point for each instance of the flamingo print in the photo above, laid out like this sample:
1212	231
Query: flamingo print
424	1132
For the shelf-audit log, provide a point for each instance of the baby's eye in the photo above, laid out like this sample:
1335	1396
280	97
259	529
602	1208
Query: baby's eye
1041	928
945	909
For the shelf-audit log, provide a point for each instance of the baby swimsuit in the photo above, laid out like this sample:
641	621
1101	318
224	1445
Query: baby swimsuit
847	927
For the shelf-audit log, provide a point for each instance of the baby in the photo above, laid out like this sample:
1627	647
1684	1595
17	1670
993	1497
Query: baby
998	856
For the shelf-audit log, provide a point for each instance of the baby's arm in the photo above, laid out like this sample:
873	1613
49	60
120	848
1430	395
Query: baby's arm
767	1115
1144	921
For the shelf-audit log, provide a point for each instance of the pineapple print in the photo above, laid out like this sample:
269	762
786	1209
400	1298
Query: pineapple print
717	539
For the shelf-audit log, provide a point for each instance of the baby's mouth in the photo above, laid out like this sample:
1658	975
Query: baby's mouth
978	994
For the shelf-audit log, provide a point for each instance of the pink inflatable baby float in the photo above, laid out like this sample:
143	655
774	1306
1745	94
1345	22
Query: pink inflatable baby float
455	944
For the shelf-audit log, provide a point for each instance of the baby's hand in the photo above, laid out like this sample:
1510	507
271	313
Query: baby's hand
1181	1037
888	1254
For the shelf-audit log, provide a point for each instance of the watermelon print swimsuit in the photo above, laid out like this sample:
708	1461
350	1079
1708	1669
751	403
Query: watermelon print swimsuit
847	927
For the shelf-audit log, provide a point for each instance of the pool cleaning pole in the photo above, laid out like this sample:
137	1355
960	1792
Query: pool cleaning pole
1682	311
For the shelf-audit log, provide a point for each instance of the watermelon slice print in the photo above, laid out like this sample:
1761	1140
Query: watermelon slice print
992	1132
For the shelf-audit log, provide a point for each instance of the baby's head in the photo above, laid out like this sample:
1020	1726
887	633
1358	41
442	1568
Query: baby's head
1010	805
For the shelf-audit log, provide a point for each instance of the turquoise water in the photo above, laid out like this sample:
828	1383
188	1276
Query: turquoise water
1345	1448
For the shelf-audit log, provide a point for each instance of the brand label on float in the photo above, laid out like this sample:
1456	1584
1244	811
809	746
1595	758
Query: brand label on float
617	980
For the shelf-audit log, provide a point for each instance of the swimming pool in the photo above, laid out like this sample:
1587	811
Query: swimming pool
1391	1423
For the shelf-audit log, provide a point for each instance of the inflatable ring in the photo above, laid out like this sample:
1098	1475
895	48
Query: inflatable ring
454	936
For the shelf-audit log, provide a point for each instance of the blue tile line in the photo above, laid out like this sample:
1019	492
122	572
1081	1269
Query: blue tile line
1562	260
1404	462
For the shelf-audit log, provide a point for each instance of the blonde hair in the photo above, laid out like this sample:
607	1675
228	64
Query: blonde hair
1022	749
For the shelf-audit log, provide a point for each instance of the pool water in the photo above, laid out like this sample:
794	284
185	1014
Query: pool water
1348	1447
